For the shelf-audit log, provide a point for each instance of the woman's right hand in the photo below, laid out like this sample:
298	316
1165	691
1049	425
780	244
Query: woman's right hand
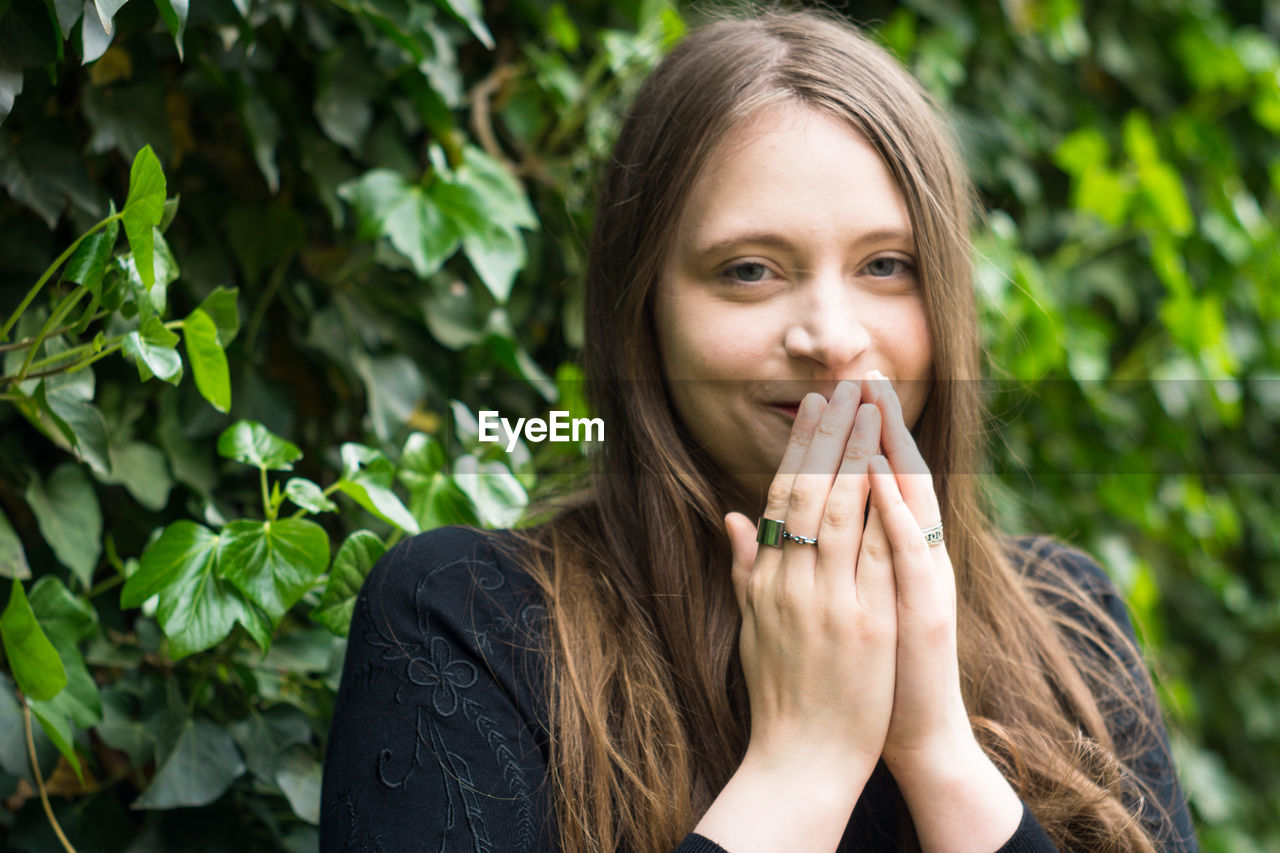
818	624
818	635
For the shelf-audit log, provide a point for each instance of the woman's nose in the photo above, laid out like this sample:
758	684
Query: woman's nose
826	325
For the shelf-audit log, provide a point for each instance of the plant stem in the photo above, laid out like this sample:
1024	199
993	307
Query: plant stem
48	273
64	308
107	350
35	768
26	342
267	509
105	585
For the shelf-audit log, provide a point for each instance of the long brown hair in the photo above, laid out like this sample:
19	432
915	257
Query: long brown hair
648	710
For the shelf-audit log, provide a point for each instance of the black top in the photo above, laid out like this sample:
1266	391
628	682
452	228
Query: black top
439	734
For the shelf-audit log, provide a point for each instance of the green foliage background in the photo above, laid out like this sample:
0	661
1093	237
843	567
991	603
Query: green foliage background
375	224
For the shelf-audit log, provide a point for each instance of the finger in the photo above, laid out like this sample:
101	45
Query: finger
811	409
875	581
901	449
812	483
913	564
843	519
742	539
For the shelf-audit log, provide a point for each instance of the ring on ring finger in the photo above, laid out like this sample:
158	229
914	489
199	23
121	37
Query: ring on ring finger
799	540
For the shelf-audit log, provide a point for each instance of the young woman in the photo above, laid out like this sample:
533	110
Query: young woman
778	618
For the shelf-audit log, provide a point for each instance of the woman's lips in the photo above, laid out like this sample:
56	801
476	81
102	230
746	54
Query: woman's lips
788	409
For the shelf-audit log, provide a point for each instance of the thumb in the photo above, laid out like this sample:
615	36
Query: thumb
742	538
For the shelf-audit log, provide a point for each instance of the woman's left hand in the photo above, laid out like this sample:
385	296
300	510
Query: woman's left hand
950	785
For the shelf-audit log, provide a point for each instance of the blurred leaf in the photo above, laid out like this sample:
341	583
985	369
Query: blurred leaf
498	497
151	349
174	13
201	766
64	617
33	660
308	495
350	567
470	12
13	558
298	774
222	308
66	509
253	444
141	469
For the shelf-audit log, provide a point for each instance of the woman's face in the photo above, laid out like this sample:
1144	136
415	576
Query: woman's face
793	267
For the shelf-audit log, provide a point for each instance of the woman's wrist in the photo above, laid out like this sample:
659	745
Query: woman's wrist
785	803
959	800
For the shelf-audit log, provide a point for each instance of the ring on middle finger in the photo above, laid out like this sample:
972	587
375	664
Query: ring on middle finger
799	540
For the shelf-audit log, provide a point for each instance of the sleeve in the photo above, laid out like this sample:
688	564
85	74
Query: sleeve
436	742
1153	762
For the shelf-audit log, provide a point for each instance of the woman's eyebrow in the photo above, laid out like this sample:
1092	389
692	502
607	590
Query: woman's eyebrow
888	234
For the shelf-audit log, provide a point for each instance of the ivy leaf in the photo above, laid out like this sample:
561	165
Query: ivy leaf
143	209
503	199
264	736
498	497
174	13
378	499
57	726
421	457
89	263
70	519
78	704
141	468
253	444
440	502
298	774
354	560
208	361
95	36
33	660
308	495
197	609
469	12
13	558
273	562
66	618
151	349
496	255
263	129
150	300
389	206
221	307
201	766
69	401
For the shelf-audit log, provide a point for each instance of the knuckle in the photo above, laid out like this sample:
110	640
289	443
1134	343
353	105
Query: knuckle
803	491
876	549
779	492
840	513
857	452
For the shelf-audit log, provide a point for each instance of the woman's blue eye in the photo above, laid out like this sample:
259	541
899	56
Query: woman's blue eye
747	272
886	267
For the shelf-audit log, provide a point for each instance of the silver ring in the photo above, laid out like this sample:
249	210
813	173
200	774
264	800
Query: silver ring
769	531
800	540
933	535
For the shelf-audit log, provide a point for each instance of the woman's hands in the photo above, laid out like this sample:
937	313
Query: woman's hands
849	646
818	630
817	643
